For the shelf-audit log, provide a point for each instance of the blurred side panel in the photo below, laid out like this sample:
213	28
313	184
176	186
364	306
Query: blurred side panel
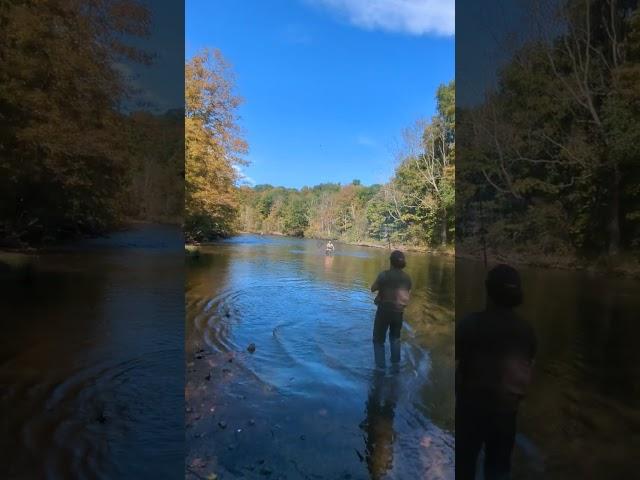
548	181
91	244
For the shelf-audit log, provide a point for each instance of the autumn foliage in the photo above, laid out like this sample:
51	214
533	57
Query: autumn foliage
213	145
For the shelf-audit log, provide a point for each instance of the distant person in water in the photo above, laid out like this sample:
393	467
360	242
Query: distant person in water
330	248
495	351
393	287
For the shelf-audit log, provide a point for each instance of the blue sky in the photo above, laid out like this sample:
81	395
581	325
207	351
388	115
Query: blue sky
328	84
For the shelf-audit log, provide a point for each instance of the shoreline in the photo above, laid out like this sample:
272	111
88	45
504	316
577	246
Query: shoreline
126	225
445	252
622	266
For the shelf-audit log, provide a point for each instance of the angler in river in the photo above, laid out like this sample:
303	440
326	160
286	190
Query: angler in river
329	249
393	287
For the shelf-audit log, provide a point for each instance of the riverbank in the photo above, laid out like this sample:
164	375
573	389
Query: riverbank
444	251
18	247
622	265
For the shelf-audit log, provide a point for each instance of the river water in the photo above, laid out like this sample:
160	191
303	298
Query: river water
581	418
92	364
91	359
307	403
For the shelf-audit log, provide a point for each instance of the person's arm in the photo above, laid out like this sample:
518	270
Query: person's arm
376	284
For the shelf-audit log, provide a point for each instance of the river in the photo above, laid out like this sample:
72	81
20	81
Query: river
91	359
91	364
307	403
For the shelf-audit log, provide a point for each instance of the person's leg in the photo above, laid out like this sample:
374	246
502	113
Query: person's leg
395	327
469	439
379	333
501	436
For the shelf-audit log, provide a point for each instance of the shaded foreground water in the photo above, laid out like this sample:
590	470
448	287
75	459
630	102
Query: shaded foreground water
581	419
307	403
91	359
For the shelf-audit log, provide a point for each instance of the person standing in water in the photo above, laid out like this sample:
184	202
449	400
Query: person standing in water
329	248
393	287
495	351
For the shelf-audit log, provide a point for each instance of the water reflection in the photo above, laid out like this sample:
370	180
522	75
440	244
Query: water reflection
378	424
90	351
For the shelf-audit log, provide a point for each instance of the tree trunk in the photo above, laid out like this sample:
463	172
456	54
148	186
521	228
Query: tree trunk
613	227
444	227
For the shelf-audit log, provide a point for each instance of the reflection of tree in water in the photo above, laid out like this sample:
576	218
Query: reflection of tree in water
378	424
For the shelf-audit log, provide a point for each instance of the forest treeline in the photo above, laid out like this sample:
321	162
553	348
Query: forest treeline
549	162
78	155
416	207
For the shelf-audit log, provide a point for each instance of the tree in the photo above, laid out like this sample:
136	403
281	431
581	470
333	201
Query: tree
422	193
213	145
64	156
552	142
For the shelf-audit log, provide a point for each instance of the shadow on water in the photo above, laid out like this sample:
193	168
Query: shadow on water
90	364
310	380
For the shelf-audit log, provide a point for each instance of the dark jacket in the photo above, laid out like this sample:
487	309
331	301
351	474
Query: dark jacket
495	350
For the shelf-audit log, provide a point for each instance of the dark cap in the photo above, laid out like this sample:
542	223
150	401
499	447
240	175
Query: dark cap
504	286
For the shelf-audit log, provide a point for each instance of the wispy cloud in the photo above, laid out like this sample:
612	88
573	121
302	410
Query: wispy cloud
365	141
296	35
244	178
414	17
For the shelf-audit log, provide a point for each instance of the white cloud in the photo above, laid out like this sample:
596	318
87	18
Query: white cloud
244	178
415	17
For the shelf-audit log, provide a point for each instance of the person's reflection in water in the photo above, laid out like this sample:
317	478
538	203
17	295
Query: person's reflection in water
393	287
328	262
495	350
378	425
